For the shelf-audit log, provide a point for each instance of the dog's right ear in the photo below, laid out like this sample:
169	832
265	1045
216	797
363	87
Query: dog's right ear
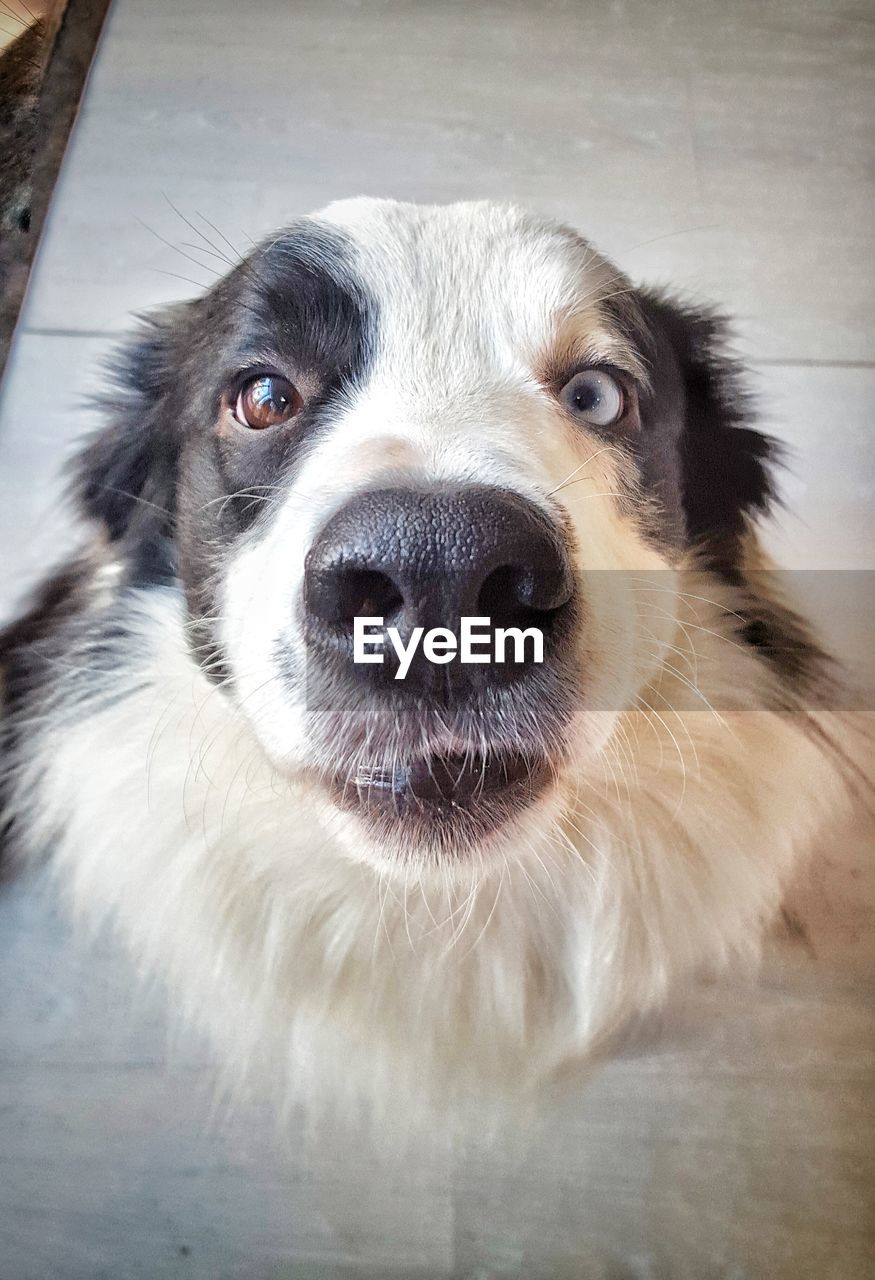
726	463
126	473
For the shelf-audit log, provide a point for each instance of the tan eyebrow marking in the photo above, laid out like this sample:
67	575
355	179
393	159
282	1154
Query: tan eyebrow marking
588	338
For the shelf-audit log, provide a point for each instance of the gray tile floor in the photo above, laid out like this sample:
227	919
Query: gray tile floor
722	146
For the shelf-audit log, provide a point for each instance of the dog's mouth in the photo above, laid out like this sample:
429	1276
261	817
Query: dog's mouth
458	786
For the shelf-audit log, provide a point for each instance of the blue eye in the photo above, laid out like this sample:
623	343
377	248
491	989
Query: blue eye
595	397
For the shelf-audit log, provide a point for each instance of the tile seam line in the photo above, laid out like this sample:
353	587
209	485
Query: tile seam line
791	362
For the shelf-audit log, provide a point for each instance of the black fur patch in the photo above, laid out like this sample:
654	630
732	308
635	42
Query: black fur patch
27	645
698	454
784	640
710	470
165	484
29	652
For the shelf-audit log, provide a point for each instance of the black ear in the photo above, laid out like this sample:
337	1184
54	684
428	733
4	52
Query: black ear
125	476
725	472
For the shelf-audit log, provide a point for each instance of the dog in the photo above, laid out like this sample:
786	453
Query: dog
463	880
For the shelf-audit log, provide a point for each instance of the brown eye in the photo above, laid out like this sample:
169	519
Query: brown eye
267	401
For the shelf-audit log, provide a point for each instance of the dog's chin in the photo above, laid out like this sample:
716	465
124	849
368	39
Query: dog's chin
440	809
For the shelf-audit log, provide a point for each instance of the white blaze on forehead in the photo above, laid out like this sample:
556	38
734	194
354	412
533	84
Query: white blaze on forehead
472	288
472	302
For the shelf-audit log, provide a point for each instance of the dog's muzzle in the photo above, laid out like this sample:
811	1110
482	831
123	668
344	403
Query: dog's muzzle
476	738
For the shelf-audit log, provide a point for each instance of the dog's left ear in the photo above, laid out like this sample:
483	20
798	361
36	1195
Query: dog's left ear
725	463
125	476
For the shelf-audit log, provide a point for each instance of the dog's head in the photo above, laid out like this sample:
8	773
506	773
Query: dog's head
427	414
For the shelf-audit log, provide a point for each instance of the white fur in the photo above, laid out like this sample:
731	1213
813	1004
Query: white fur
667	854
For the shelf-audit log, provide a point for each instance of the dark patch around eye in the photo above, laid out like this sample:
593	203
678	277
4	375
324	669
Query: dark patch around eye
300	304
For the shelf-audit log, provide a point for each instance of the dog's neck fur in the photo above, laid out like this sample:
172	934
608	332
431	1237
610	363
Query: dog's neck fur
166	815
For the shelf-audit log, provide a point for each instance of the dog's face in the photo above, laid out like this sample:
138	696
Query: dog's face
424	414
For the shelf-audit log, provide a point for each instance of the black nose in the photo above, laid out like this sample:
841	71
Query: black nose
426	558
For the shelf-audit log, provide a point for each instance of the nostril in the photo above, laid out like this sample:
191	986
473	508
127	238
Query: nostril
505	595
366	593
515	594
